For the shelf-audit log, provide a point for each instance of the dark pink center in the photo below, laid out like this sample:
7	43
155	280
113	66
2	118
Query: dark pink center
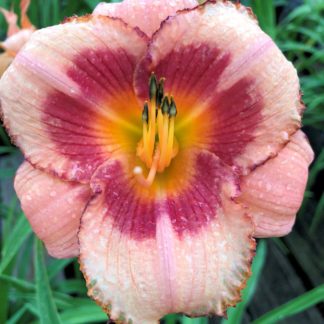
233	113
189	210
102	75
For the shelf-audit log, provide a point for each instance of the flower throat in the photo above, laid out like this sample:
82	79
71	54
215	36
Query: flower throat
158	145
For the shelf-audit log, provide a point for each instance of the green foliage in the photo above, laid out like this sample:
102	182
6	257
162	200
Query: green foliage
300	35
265	11
44	296
43	293
293	307
14	242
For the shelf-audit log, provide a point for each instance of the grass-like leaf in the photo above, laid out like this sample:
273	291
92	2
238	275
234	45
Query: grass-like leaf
18	283
317	167
14	242
4	137
56	266
7	149
265	11
187	320
318	216
84	314
171	319
45	302
92	3
293	307
21	314
73	286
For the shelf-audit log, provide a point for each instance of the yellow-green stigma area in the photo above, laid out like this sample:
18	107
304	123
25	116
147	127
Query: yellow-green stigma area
158	145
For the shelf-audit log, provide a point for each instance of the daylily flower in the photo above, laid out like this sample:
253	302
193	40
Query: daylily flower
16	36
173	144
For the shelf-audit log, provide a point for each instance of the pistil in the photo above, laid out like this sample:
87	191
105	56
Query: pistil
138	172
158	145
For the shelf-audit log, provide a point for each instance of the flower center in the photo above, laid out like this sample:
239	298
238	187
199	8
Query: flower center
158	145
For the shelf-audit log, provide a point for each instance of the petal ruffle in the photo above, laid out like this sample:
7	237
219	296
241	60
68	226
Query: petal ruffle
66	96
15	43
187	249
145	14
274	191
53	208
234	89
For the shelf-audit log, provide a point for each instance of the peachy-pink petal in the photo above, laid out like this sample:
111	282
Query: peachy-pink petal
274	191
229	80
186	249
53	208
62	97
144	14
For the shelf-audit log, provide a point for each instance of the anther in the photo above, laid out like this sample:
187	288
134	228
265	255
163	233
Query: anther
153	87
165	105
173	108
145	113
160	92
158	145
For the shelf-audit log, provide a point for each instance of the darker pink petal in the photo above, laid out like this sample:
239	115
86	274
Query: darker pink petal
53	208
191	199
274	191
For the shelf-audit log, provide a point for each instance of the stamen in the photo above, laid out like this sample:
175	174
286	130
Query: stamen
145	118
158	146
152	127
160	102
164	129
172	114
173	108
168	154
153	87
160	125
165	105
160	93
145	113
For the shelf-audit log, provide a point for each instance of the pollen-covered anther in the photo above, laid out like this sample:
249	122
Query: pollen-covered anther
158	145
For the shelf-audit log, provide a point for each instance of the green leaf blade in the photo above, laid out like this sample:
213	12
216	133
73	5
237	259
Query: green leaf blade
46	306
